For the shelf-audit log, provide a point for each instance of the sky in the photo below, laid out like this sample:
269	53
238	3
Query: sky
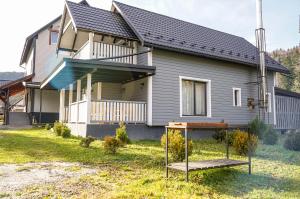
19	19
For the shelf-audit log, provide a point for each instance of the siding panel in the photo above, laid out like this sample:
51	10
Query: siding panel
223	76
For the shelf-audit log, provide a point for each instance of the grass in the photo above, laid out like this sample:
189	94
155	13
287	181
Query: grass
137	171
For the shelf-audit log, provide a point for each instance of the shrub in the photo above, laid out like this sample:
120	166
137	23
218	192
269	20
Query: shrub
85	142
219	135
48	127
65	132
230	137
121	134
241	145
257	127
292	141
270	136
58	128
110	144
177	145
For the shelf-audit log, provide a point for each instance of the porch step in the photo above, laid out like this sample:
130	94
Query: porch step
19	118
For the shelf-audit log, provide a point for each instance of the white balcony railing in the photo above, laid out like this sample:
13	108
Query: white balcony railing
98	50
117	111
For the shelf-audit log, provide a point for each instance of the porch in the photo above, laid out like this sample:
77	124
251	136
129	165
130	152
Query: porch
101	92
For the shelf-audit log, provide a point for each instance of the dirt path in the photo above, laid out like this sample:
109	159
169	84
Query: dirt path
15	177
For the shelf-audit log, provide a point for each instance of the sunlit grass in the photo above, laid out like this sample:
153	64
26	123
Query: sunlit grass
137	171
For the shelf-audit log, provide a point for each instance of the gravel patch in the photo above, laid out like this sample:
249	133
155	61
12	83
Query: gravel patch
15	177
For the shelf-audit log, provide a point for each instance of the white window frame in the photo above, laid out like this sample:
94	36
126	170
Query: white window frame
269	97
239	97
208	95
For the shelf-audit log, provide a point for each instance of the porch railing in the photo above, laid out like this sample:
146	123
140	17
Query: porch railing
117	111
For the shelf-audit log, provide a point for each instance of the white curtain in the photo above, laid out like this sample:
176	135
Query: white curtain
193	98
200	89
187	97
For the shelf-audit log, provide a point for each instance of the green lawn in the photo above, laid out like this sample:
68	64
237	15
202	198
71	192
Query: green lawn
137	171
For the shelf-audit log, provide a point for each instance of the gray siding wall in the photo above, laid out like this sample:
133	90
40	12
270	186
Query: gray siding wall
142	59
224	76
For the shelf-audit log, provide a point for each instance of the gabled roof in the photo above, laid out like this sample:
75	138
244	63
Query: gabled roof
98	20
29	39
169	33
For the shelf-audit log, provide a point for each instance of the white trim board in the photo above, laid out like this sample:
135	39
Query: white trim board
208	94
239	104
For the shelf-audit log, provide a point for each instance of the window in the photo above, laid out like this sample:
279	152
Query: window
53	37
269	102
195	97
237	99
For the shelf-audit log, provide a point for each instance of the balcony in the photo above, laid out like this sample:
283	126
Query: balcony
107	52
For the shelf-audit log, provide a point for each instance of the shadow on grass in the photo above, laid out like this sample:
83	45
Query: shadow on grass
237	183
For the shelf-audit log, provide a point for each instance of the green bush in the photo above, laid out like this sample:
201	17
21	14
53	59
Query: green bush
58	128
65	132
110	144
85	142
121	135
257	127
177	145
230	137
292	141
270	136
48	127
219	135
241	142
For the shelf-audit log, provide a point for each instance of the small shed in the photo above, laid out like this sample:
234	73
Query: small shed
287	105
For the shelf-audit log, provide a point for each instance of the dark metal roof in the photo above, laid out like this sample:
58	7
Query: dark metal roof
98	20
172	34
283	92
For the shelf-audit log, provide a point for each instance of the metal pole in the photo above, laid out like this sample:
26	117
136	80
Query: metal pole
227	145
249	152
167	158
186	155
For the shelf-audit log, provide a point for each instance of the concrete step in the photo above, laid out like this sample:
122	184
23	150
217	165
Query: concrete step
19	118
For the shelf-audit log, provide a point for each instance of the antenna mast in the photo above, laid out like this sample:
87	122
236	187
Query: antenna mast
261	45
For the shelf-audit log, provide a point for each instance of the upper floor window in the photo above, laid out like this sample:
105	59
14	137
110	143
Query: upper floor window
53	37
195	97
237	97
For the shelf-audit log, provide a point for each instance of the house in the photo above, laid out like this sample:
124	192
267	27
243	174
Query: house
94	68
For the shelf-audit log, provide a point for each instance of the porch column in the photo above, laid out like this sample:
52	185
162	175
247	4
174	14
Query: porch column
61	105
99	91
88	98
78	93
70	101
134	51
149	93
91	42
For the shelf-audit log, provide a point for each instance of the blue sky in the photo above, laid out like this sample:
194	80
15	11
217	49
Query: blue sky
281	20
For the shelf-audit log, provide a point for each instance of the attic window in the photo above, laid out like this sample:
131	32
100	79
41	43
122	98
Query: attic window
53	37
